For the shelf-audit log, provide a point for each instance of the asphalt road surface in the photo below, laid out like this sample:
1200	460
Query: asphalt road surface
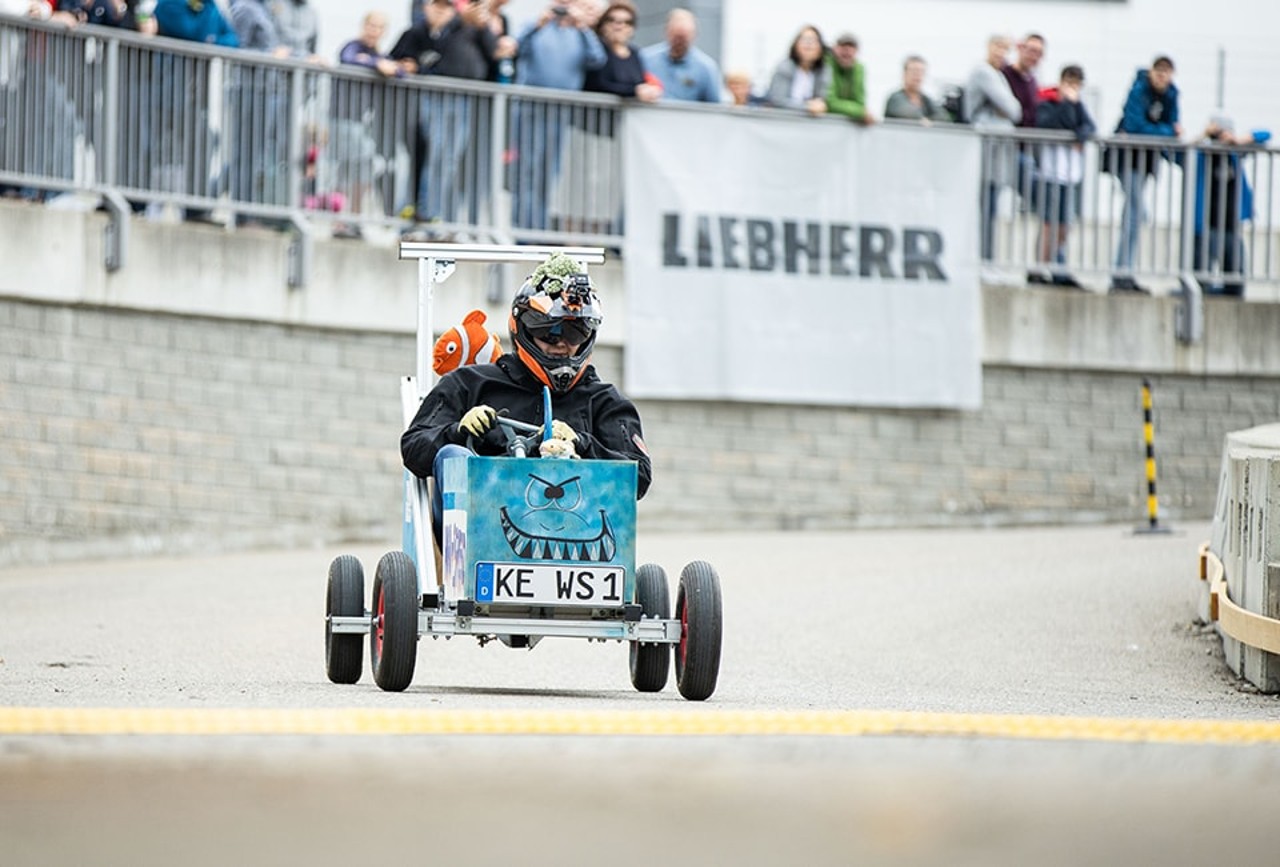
1029	649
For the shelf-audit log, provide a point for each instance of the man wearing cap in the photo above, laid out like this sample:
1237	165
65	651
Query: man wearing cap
847	93
1150	110
687	72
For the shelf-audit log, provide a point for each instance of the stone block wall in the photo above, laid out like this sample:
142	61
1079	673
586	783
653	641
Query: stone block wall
125	431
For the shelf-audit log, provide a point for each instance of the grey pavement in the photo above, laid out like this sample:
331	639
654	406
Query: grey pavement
1066	621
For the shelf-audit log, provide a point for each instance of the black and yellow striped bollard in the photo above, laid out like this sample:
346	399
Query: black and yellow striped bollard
1153	524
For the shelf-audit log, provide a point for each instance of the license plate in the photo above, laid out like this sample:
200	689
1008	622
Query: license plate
546	584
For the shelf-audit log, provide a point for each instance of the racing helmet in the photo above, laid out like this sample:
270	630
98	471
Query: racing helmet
557	302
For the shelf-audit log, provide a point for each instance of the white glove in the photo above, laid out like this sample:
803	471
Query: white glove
478	421
561	431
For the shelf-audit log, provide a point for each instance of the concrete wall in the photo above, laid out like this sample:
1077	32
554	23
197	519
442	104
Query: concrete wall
138	413
1245	540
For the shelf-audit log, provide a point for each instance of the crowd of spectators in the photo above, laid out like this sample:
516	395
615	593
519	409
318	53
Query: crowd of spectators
589	45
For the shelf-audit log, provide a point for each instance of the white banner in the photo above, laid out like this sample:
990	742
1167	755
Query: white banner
801	261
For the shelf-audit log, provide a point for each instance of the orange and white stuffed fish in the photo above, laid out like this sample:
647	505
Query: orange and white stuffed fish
468	343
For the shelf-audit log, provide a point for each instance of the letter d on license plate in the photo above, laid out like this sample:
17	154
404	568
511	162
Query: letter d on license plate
546	584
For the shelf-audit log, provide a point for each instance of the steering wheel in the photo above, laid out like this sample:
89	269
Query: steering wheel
521	436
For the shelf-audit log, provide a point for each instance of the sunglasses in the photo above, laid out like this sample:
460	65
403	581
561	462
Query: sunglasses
572	331
628	22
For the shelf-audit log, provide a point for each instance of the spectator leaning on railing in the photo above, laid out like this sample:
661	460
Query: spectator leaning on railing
847	90
623	73
1022	81
256	28
1224	200
195	21
557	50
687	73
738	84
182	122
1061	170
258	96
1021	75
800	80
1151	109
911	102
457	45
989	104
298	28
357	110
503	68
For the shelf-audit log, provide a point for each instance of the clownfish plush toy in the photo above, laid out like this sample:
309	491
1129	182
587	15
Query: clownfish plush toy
468	343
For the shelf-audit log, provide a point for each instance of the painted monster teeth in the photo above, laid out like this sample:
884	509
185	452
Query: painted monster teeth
600	549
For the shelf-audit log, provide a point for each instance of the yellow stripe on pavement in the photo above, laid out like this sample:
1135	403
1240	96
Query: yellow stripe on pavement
354	721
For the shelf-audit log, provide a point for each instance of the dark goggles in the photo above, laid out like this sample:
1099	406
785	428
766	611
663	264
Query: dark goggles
574	331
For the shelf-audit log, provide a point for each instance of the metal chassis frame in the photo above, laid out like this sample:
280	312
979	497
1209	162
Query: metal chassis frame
436	263
437	622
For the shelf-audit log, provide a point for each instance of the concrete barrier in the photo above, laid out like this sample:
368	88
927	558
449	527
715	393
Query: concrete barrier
1247	543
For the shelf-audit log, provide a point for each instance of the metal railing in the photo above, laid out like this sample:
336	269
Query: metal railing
153	124
243	137
1128	208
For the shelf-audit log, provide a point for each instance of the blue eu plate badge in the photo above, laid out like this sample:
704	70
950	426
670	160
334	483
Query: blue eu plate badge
484	582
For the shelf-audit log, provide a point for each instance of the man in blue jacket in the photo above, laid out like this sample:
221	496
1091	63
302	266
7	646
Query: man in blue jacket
1150	110
195	21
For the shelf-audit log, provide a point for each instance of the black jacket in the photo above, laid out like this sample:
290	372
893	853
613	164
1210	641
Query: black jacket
457	50
607	424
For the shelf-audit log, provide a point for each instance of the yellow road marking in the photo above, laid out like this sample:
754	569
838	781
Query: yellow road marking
355	721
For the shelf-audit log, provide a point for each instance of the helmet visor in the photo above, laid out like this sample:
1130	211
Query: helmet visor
572	331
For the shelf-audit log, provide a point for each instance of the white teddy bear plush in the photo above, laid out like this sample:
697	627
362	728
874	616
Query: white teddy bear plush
557	449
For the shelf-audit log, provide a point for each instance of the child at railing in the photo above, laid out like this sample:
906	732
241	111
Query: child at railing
1061	171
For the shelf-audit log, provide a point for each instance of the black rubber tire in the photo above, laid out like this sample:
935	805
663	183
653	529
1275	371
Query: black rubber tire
344	652
699	612
651	663
393	638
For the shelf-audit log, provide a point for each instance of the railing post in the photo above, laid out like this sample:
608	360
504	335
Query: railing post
112	128
297	144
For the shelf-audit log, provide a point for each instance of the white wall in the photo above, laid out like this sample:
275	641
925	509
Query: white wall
1110	39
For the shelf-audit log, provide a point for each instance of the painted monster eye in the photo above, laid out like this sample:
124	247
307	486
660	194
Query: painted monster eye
542	494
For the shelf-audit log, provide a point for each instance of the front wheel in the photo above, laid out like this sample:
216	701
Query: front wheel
343	654
393	638
698	610
650	663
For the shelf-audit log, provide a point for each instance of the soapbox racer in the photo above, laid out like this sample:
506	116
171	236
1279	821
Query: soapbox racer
532	547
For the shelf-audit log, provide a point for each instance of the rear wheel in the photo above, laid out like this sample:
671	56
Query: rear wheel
650	663
698	610
393	638
343	651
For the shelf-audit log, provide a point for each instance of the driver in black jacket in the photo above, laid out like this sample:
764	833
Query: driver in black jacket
554	320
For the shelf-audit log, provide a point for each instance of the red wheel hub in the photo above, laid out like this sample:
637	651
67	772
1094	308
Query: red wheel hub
378	625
